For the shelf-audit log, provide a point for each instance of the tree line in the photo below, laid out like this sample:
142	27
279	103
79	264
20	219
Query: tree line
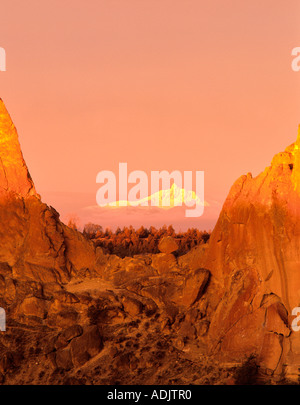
130	241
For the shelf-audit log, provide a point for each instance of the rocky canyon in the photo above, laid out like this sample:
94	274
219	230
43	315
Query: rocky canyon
220	314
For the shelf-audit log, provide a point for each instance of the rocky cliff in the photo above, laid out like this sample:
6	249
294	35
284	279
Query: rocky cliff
254	258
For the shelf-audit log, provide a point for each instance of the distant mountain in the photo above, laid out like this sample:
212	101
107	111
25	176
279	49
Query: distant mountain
169	198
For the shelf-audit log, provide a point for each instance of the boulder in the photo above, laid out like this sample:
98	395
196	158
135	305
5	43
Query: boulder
86	346
193	288
167	245
63	359
67	335
163	262
132	306
33	307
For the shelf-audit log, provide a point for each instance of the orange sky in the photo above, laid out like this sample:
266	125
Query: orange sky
159	84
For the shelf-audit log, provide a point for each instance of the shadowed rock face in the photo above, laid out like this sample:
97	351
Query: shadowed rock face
254	257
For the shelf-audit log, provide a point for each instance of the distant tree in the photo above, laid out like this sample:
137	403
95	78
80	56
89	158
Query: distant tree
73	221
129	242
170	231
142	232
91	230
205	236
152	230
108	233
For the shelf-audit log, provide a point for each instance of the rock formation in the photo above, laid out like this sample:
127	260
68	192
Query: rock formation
254	259
14	175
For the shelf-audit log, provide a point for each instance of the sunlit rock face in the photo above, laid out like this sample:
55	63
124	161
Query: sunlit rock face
14	175
33	240
254	257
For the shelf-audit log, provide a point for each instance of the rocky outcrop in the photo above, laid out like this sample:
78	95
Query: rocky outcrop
33	240
254	259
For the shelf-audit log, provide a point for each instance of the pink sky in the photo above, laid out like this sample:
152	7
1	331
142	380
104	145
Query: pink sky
159	84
